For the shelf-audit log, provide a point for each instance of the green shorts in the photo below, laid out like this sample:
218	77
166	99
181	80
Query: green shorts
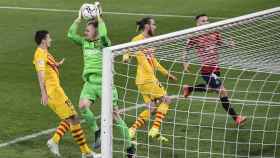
92	89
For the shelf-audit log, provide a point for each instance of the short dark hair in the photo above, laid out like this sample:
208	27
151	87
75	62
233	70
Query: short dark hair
40	35
199	16
141	23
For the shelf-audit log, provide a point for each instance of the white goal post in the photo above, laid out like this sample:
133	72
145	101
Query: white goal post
256	52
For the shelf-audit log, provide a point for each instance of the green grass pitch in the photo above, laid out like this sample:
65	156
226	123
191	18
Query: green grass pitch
198	132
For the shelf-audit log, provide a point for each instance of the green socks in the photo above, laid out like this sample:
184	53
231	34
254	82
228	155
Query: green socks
90	119
124	130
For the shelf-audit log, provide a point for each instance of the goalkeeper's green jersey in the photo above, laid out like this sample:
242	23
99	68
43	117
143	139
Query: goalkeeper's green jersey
92	50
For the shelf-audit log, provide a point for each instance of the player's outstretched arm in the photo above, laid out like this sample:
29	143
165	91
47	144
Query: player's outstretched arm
58	64
184	60
73	31
186	65
163	70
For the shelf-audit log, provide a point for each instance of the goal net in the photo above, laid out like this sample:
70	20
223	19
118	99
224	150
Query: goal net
247	49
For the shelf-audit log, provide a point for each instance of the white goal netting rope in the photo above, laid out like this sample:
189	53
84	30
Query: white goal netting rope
249	59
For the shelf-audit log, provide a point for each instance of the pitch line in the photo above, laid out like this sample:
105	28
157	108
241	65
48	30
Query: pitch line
109	13
48	131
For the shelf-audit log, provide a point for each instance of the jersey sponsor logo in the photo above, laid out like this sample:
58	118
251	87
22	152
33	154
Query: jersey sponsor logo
91	48
91	52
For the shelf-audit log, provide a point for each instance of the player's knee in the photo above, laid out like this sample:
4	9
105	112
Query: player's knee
116	116
163	108
223	92
116	113
167	99
151	106
73	120
84	103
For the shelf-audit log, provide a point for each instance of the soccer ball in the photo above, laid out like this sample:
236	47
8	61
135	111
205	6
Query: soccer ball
89	11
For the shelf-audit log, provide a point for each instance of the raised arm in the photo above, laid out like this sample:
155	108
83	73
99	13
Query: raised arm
127	55
103	34
159	67
189	45
73	32
184	60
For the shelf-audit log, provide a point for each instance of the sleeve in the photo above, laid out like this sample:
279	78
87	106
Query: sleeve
40	61
73	35
160	67
103	35
127	55
140	56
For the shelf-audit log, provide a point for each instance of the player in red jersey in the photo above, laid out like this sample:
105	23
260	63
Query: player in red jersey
206	47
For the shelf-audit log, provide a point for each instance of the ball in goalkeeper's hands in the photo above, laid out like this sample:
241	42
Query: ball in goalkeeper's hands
89	11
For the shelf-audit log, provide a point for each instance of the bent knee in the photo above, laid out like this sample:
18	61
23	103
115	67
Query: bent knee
84	103
223	92
73	119
167	99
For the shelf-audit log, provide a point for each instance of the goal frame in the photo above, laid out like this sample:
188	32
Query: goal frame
107	71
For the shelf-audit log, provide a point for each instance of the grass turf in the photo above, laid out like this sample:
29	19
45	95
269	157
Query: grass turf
22	113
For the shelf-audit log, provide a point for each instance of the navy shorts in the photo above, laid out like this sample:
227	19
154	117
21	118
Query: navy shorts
212	80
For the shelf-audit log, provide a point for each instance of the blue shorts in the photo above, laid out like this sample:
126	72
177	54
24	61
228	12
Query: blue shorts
212	80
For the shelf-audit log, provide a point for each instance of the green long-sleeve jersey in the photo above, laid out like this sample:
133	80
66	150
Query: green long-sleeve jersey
92	50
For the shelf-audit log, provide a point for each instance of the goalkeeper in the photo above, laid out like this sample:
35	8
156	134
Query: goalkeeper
148	85
92	44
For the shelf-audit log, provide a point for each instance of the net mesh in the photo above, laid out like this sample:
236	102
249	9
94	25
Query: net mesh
248	55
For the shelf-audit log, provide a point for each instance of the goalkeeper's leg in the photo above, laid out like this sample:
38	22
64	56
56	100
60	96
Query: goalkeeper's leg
87	97
90	120
123	129
88	115
122	126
